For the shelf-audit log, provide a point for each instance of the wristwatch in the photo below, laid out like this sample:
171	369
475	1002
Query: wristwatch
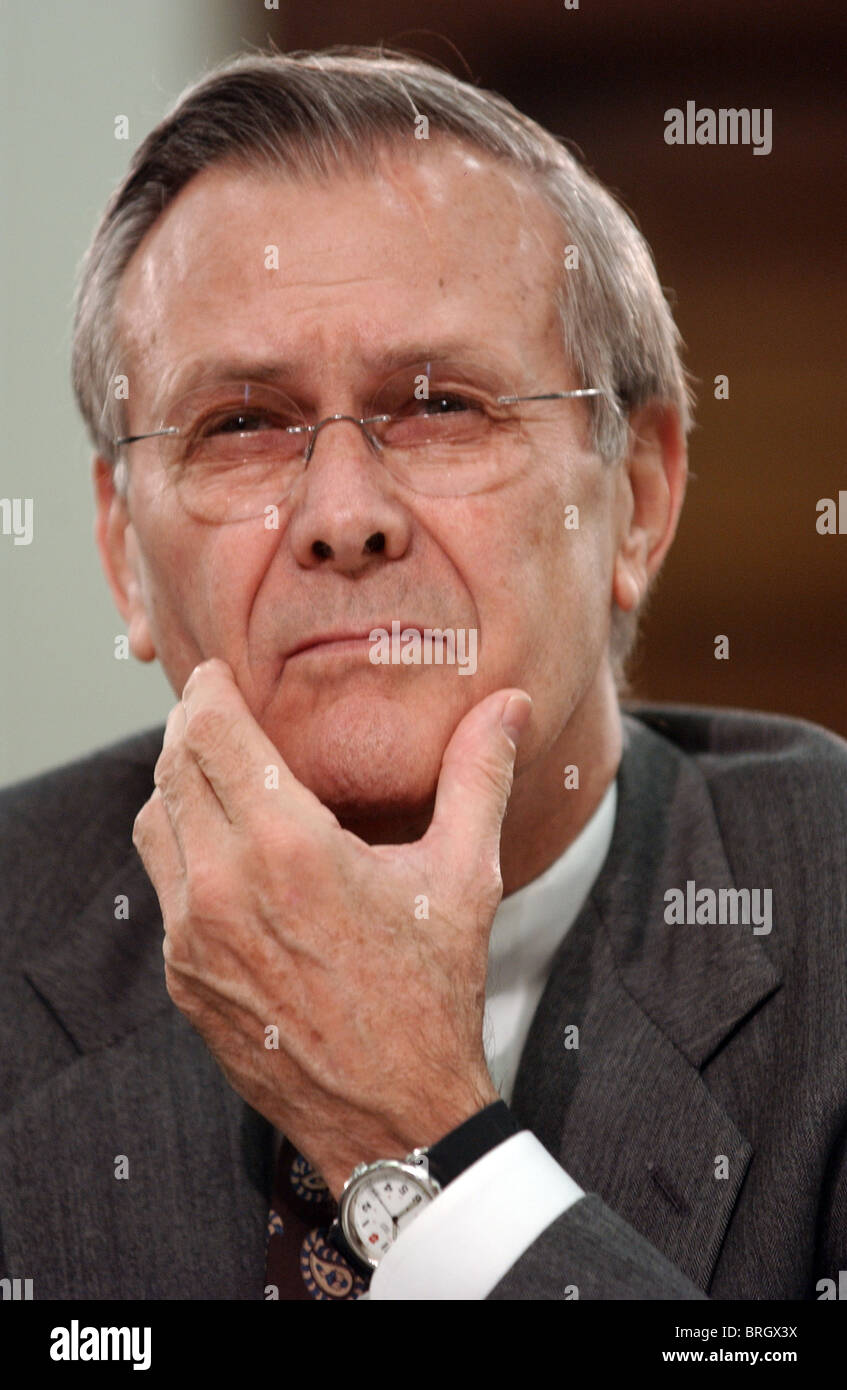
381	1199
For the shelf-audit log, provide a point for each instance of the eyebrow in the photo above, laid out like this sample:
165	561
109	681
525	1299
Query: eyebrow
206	371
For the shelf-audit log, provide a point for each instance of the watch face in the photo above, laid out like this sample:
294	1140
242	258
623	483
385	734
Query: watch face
380	1204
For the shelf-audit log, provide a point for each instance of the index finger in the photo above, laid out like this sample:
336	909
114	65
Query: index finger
235	755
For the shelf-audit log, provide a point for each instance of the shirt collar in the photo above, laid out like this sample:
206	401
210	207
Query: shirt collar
529	924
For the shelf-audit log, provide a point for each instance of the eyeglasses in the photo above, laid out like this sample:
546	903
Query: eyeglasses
233	448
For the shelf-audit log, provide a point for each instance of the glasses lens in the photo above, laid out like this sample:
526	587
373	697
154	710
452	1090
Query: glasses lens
237	449
446	435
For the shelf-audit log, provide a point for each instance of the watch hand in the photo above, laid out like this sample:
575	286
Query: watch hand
413	1203
382	1204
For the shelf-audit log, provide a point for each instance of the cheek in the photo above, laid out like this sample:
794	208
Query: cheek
581	592
198	584
545	574
579	518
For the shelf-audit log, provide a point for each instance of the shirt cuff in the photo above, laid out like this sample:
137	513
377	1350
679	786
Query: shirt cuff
466	1240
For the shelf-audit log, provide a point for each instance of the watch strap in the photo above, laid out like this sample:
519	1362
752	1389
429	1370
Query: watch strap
470	1141
336	1237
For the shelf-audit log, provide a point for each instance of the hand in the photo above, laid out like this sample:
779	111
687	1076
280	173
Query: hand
293	947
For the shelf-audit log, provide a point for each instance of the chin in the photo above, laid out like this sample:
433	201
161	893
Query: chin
368	761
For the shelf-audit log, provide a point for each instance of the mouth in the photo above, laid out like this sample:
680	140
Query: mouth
342	642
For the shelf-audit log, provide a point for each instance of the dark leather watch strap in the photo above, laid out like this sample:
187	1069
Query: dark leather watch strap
470	1140
337	1238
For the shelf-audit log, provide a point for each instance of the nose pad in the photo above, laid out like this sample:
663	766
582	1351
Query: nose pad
333	420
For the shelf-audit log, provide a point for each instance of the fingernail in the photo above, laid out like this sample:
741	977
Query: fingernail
186	689
515	716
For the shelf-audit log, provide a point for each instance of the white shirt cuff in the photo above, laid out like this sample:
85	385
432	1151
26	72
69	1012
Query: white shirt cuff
465	1241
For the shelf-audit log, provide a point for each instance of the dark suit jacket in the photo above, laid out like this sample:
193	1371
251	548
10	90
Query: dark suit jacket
703	1050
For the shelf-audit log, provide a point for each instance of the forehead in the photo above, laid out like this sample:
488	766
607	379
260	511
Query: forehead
441	246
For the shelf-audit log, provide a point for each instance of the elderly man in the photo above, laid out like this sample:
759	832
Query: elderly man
390	429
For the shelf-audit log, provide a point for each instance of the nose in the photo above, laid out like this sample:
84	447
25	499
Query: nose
330	420
345	514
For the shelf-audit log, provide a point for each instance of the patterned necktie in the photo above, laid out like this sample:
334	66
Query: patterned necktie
300	1262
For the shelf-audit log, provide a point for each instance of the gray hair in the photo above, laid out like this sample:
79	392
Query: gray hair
310	114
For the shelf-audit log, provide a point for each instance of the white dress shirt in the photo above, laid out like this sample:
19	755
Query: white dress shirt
465	1241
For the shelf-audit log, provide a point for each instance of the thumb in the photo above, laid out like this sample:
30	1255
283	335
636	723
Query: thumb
476	778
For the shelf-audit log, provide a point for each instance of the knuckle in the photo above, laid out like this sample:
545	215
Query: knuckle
174	982
166	764
206	728
172	948
487	889
142	828
207	893
498	775
178	952
278	843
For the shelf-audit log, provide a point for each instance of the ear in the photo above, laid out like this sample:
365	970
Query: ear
652	483
119	556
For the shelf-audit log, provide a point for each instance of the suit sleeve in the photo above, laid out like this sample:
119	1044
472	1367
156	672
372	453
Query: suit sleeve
516	1226
591	1253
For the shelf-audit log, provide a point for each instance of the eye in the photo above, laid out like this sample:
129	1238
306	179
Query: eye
445	417
235	434
442	407
444	403
436	388
239	422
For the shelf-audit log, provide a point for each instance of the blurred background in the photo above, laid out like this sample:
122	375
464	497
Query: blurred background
749	247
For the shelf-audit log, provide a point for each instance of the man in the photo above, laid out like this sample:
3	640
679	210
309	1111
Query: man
390	427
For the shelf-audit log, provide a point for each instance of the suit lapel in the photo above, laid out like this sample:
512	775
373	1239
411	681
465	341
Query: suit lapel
628	1113
188	1220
